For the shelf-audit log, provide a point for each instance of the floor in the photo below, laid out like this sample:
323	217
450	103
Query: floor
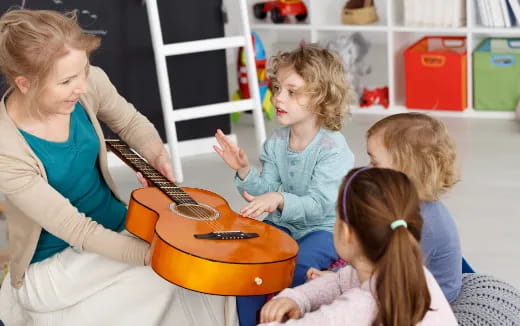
483	203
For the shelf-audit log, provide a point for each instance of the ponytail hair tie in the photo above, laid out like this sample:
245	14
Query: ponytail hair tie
397	223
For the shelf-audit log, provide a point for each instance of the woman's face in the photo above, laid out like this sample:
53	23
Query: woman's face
379	156
64	84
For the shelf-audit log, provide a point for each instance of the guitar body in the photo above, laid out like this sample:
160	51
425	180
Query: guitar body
259	265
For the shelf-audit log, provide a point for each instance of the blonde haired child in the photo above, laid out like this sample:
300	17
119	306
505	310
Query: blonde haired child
420	146
303	162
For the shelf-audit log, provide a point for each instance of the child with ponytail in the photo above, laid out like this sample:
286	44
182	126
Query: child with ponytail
378	230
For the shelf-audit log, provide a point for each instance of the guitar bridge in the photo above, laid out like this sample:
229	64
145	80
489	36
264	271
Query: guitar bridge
226	235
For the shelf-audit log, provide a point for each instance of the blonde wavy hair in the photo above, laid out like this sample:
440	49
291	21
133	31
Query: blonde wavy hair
31	41
421	147
324	79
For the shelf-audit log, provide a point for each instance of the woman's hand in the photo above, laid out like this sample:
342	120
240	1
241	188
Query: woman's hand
233	155
161	163
260	204
314	273
278	310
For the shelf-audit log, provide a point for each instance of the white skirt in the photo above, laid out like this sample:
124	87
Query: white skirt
72	288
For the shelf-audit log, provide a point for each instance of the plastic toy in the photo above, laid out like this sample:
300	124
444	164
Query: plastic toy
352	50
375	96
280	9
263	82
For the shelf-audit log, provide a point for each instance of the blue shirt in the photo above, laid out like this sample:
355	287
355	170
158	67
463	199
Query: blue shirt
308	180
72	170
441	248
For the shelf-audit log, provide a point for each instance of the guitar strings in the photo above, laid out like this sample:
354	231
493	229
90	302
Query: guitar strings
162	183
165	185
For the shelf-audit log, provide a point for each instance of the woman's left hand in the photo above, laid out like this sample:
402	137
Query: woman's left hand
161	163
260	204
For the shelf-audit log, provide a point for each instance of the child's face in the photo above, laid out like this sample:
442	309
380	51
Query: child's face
376	150
291	106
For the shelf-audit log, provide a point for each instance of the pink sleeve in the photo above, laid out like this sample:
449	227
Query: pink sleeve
354	307
322	290
441	313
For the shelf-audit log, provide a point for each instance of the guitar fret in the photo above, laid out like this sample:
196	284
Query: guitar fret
137	162
156	178
164	183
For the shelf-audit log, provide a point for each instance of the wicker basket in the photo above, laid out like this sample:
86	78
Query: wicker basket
359	12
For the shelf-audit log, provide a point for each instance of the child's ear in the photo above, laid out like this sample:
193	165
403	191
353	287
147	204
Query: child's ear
347	232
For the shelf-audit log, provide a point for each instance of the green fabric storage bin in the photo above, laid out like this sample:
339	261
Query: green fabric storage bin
496	74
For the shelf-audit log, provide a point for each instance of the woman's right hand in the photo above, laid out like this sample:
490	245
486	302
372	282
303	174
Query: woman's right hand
278	310
233	155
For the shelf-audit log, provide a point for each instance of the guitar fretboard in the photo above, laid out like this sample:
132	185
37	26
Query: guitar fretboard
136	162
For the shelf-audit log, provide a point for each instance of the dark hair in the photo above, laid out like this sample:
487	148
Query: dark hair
374	199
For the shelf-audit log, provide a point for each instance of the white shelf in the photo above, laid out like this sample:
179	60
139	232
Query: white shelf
389	39
281	27
468	113
352	28
433	30
512	31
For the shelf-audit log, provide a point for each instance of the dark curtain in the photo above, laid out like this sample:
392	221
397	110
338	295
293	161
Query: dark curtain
126	54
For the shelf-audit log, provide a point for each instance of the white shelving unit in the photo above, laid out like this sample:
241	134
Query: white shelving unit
389	38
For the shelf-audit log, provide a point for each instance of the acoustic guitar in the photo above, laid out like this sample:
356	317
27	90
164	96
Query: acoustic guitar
199	243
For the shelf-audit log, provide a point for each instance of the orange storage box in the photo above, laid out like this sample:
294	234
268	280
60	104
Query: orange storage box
435	73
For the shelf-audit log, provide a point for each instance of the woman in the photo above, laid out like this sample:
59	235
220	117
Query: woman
72	263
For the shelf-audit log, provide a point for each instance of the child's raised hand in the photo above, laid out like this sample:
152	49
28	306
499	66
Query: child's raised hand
233	155
259	204
314	273
278	310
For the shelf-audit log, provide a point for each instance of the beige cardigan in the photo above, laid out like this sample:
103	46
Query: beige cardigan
31	203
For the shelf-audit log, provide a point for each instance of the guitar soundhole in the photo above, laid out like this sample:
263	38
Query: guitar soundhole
200	212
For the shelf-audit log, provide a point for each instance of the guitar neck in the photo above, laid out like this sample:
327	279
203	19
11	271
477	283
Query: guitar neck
137	163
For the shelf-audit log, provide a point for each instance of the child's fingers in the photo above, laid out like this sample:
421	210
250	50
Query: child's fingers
257	212
293	313
248	209
242	155
248	197
311	273
219	150
221	141
265	313
280	312
270	312
221	138
227	141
